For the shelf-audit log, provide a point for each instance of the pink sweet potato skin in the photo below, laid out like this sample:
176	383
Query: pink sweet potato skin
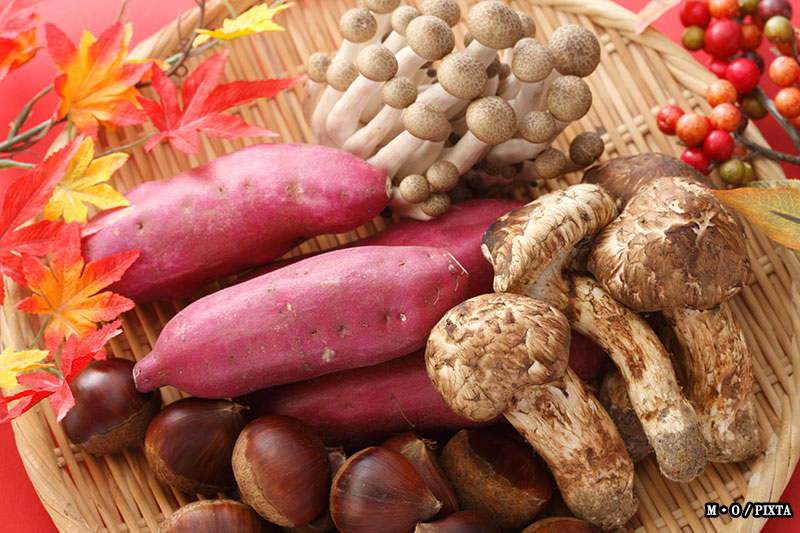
240	210
335	311
459	231
362	406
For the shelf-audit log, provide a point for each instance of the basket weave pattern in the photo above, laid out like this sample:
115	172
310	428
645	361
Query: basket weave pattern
637	74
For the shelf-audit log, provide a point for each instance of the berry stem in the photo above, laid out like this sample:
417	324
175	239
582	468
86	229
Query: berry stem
768	152
769	105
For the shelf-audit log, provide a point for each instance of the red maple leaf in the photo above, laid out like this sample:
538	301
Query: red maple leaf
25	199
203	102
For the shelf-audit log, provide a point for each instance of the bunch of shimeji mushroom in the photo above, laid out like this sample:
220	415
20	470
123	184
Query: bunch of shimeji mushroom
437	120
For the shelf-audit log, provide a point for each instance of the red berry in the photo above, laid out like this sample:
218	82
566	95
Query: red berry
718	67
718	145
723	38
725	117
694	13
697	158
769	8
796	123
743	74
751	36
692	128
720	92
724	9
787	102
783	71
667	118
739	150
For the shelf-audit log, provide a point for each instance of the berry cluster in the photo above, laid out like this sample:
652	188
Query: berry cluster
709	140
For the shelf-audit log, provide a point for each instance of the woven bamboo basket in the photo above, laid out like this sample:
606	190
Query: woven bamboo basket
119	493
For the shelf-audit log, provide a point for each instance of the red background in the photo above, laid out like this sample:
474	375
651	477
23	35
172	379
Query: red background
20	509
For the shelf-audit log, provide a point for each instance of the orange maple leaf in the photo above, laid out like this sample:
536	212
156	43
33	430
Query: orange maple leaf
96	84
68	289
17	33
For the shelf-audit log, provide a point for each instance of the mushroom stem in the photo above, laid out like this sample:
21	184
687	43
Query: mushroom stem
465	153
342	120
363	142
391	157
422	159
719	382
320	115
311	96
614	397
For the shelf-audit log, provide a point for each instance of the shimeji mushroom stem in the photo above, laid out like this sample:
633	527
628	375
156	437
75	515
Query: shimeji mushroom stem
421	160
719	382
363	142
465	153
392	156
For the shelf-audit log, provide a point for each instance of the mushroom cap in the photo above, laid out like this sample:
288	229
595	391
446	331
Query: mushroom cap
401	17
532	61
491	119
673	246
447	10
426	121
489	347
318	65
537	126
430	37
399	92
358	25
504	71
414	188
524	243
586	148
569	98
437	204
494	67
550	163
576	50
622	176
528	24
462	76
494	24
442	176
376	62
382	6
341	74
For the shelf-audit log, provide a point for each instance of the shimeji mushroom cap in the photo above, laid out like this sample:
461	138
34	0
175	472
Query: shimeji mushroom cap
673	246
576	50
447	10
401	17
399	92
569	98
426	121
462	76
376	62
437	204
341	74
550	163
430	37
528	24
532	61
442	176
493	24
488	348
491	119
414	188
318	65
523	244
382	6
586	148
537	126
358	25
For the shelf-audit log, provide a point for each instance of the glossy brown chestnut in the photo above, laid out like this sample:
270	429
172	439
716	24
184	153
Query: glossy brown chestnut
497	475
109	413
561	524
282	469
189	444
461	522
216	516
323	522
378	489
420	453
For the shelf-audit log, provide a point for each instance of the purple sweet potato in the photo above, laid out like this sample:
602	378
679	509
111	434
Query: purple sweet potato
238	211
335	311
360	407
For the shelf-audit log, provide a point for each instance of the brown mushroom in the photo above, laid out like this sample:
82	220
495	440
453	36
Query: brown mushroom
614	397
493	26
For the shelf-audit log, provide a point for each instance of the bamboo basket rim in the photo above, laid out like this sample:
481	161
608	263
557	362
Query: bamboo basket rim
767	476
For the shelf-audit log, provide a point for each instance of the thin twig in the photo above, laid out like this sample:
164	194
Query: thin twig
230	8
25	112
769	105
794	47
10	144
41	332
768	152
9	163
124	146
121	10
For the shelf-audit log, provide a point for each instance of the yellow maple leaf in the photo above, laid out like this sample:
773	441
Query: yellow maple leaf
774	210
12	363
257	19
83	183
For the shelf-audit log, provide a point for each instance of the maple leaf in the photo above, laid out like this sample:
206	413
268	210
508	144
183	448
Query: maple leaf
83	183
774	207
96	84
68	289
23	200
257	19
203	101
652	12
17	33
12	363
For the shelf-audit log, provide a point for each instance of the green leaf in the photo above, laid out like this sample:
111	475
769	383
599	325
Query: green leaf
793	184
774	210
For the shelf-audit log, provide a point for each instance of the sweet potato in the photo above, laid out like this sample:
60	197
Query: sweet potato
360	407
238	211
335	311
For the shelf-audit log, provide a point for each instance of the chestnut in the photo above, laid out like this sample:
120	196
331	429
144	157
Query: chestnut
378	489
216	516
109	414
283	470
419	452
497	475
323	522
461	522
190	442
561	524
